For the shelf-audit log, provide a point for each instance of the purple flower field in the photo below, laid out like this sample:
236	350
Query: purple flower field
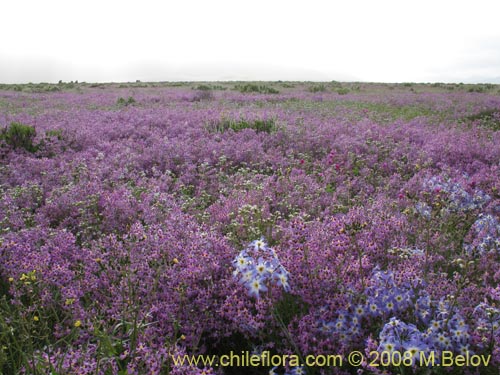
149	221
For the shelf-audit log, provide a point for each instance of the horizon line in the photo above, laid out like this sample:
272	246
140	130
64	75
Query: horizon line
248	81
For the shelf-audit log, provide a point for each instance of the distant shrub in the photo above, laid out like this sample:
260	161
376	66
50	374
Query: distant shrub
317	88
252	87
51	88
203	88
267	126
342	91
125	102
407	84
478	89
19	136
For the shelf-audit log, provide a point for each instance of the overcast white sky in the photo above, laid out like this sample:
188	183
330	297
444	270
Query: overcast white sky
361	40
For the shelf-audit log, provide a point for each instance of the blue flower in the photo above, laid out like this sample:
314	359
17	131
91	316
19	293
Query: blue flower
258	275
414	348
423	209
256	286
259	244
282	279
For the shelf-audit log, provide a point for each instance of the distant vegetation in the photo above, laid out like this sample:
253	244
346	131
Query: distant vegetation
252	87
341	88
318	88
122	102
342	91
207	87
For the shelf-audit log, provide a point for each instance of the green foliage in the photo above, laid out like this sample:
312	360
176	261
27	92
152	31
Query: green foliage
481	88
267	125
40	87
207	87
252	87
19	136
317	88
122	102
203	87
27	327
478	89
342	91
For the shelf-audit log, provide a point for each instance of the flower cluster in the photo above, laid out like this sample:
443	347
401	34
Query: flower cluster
486	235
398	336
258	269
432	325
445	331
383	298
459	199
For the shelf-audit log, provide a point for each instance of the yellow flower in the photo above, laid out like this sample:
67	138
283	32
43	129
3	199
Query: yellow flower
69	301
175	261
28	276
36	318
11	279
183	337
78	323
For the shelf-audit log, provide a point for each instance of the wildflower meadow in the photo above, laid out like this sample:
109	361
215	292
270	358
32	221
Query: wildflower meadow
141	223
